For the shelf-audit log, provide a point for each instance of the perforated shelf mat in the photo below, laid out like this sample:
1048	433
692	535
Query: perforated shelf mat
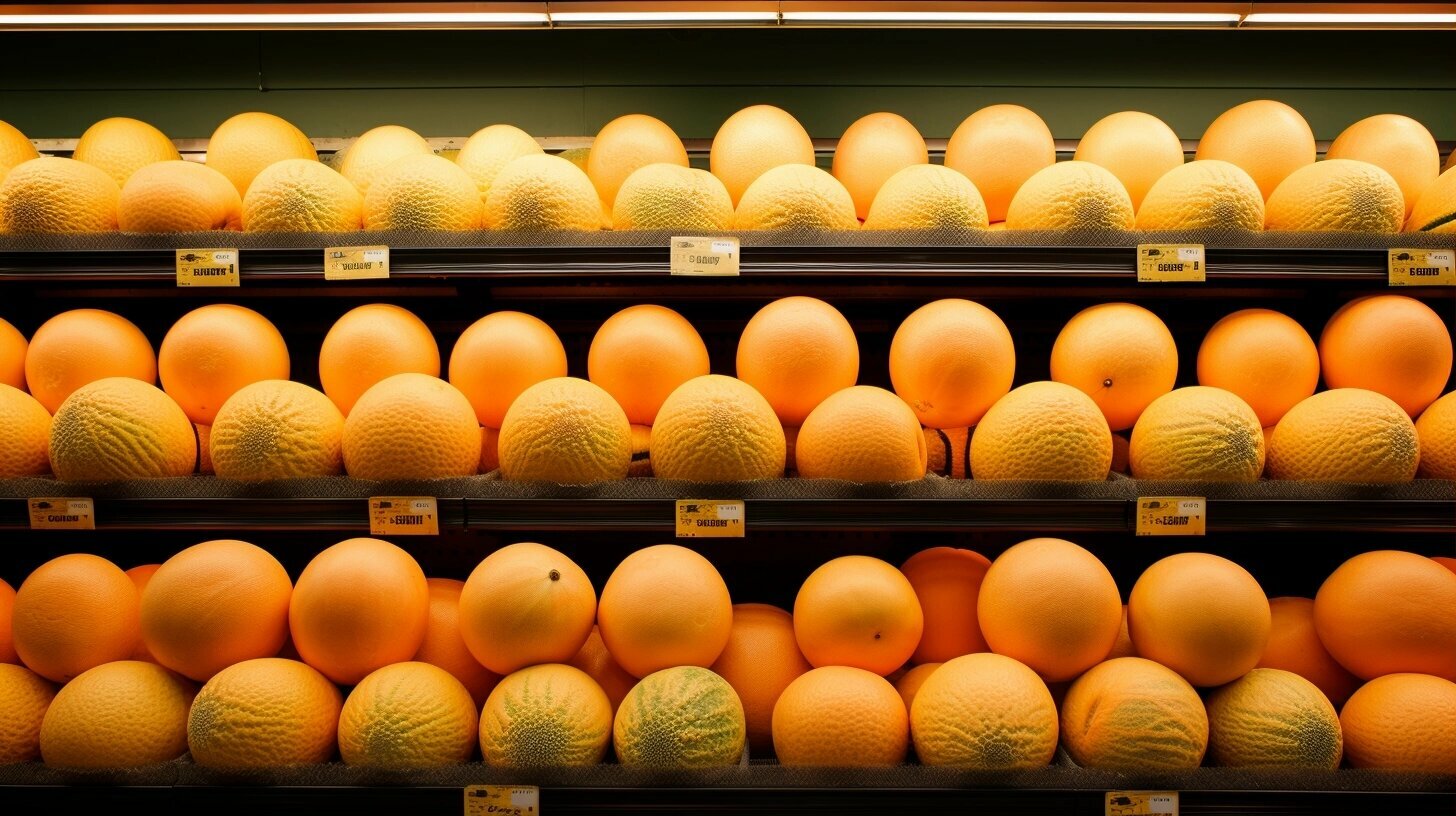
490	486
756	775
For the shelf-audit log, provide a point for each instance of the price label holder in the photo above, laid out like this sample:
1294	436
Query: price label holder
1422	267
704	257
62	514
403	515
1171	515
1171	263
207	267
1142	803
502	800
356	263
707	518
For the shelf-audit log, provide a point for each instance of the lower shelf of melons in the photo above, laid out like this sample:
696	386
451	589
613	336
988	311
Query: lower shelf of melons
933	503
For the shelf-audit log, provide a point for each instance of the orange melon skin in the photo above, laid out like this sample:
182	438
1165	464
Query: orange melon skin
1402	722
947	581
1388	611
1110	711
358	606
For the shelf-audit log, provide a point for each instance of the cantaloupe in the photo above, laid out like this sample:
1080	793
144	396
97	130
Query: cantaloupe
998	148
51	195
548	715
249	143
375	150
686	717
120	428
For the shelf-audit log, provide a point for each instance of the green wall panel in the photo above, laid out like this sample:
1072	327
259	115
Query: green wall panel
571	82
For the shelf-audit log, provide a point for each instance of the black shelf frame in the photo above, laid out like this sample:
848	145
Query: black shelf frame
629	260
764	513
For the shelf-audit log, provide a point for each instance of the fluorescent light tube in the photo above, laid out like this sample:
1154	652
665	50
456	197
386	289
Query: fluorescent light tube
664	17
1008	17
1271	18
285	20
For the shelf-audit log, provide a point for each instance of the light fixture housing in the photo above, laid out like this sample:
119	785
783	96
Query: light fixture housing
1010	15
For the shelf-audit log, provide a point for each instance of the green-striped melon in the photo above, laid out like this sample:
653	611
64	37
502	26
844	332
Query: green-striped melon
551	715
1271	717
684	717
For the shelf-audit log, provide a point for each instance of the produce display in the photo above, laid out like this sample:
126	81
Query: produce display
650	405
363	658
1255	169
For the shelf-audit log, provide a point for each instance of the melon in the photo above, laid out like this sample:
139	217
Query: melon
684	717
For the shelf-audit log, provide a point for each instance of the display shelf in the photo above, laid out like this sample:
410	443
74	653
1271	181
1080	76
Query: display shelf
647	505
751	789
608	257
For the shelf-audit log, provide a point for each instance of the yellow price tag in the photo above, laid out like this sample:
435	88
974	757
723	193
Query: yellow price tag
62	514
502	800
1422	267
1171	515
713	257
356	263
1171	263
403	515
703	518
207	267
1142	803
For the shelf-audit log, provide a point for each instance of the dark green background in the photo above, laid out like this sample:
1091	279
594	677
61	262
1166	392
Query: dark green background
568	83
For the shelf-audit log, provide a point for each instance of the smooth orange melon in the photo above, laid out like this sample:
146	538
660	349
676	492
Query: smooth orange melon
641	354
1402	722
24	698
25	435
874	148
120	147
1121	355
245	145
1051	605
81	346
1268	139
665	606
627	144
1397	144
753	141
73	613
1137	147
998	148
444	645
215	604
1389	611
370	343
951	360
1436	430
759	661
947	582
358	606
1200	615
796	351
858	611
178	196
213	351
501	355
1390	344
1294	646
1264	357
526	604
861	434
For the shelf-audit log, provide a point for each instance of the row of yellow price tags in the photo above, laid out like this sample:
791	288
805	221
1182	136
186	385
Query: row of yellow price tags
219	267
1185	263
525	800
694	518
719	257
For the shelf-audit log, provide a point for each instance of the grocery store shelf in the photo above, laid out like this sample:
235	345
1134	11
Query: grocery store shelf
615	257
752	789
647	505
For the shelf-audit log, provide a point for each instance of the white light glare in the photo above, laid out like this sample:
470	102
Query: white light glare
664	16
1007	17
206	20
1350	19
